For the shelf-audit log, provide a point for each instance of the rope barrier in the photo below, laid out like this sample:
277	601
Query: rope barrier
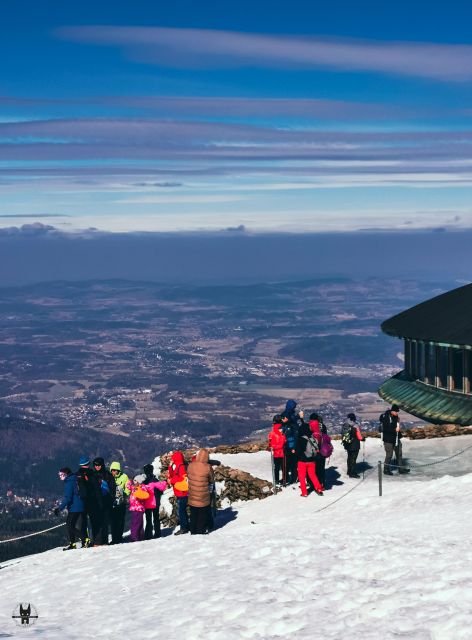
30	535
326	506
431	464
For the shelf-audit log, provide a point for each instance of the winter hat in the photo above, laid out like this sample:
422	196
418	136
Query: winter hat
140	478
351	416
277	419
84	461
115	466
65	470
314	416
99	461
290	405
395	408
148	469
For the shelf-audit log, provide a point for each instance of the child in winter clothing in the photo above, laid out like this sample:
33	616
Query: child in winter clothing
137	506
177	473
152	505
277	442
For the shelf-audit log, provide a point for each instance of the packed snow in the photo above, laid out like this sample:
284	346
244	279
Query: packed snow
370	567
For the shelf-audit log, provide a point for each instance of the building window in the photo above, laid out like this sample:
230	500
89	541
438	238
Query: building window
420	354
430	362
458	369
442	363
413	359
407	356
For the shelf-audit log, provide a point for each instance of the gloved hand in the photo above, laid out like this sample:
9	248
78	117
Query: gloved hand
56	511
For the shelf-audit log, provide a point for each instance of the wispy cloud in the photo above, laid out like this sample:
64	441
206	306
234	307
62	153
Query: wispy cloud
189	48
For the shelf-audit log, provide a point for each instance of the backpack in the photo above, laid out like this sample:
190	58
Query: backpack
326	448
119	495
384	420
105	487
82	481
347	438
182	485
140	493
311	448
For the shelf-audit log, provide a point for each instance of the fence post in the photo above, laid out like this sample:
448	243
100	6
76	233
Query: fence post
379	466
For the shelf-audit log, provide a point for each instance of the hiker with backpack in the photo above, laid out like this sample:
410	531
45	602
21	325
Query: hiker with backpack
306	449
90	492
107	485
276	445
76	523
318	428
178	479
200	479
391	436
351	440
139	493
152	505
290	424
118	512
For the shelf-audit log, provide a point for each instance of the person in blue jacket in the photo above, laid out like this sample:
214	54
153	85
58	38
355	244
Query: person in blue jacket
76	521
290	424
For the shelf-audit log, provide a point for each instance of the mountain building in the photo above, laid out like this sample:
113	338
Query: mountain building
435	384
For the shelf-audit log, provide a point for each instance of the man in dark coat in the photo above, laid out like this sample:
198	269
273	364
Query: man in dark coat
90	492
352	439
392	435
107	484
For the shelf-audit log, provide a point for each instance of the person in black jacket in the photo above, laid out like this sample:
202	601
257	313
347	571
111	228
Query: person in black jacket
392	435
152	515
89	491
107	484
290	425
352	439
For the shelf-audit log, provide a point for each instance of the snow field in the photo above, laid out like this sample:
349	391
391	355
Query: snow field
367	567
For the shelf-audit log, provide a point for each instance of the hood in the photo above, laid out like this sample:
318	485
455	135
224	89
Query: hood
202	456
276	427
314	425
178	458
115	466
290	406
304	430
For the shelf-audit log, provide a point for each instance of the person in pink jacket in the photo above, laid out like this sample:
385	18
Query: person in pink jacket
137	506
152	505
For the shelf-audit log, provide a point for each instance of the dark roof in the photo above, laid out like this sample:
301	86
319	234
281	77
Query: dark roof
446	318
429	403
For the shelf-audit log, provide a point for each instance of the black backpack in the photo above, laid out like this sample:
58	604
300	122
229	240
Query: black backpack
384	420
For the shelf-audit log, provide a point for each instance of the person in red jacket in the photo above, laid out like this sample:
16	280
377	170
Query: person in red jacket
277	442
177	474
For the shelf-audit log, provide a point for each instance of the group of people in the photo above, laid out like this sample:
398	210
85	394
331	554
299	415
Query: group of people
299	449
97	498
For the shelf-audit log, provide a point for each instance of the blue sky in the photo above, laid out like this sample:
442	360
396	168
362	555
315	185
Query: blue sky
152	116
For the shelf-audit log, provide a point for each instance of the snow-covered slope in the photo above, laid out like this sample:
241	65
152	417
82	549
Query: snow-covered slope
365	567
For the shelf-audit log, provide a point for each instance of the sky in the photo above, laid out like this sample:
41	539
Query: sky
181	117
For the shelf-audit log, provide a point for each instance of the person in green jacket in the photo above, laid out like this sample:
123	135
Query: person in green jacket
118	513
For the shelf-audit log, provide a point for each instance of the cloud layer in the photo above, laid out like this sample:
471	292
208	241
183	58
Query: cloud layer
189	48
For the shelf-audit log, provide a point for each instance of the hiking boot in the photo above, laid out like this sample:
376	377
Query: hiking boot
180	532
86	543
405	470
387	472
354	475
72	545
320	493
304	495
